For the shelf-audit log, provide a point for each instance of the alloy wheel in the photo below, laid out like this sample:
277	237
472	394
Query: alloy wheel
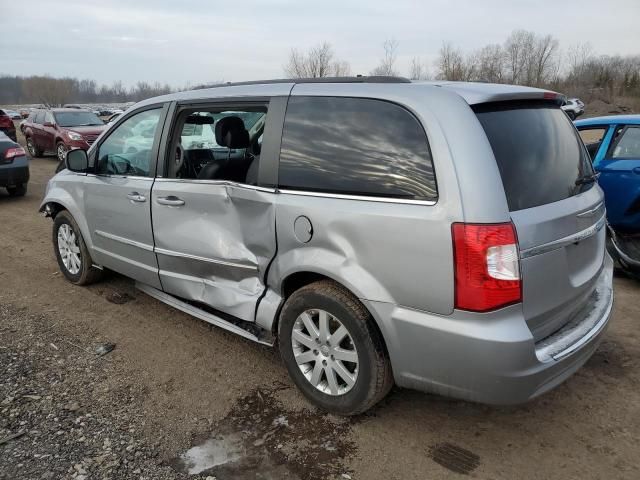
31	148
69	249
62	150
325	352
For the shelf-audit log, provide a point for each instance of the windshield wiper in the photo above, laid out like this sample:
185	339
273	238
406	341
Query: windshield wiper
590	178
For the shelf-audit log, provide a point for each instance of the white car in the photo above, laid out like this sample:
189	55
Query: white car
573	107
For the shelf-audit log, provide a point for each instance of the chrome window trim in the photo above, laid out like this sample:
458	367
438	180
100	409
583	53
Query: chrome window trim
126	241
131	177
172	253
366	198
563	242
224	183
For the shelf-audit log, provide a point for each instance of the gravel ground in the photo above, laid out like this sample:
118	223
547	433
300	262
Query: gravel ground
177	398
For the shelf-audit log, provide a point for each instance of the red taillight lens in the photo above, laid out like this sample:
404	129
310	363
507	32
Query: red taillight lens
11	153
487	268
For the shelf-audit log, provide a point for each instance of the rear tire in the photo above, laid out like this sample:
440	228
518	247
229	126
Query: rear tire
572	115
369	371
61	151
71	252
33	150
18	190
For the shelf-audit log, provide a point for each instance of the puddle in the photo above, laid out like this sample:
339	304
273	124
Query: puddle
260	439
213	452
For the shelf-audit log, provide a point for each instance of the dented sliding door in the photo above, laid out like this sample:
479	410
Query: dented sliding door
214	241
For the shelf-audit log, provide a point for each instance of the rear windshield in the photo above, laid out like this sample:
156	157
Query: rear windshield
539	153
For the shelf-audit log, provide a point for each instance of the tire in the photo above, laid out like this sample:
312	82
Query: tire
85	273
18	190
61	151
372	372
572	115
33	150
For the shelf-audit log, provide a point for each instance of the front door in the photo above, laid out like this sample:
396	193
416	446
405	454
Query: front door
118	197
213	222
620	178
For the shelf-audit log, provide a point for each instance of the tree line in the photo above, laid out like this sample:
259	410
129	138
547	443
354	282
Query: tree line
52	92
524	58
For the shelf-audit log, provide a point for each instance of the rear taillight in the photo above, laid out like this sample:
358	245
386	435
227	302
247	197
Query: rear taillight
11	153
487	268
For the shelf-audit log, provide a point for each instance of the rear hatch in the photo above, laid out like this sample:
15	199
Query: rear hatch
556	207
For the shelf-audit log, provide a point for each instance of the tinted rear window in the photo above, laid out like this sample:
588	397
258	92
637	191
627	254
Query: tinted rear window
355	146
539	154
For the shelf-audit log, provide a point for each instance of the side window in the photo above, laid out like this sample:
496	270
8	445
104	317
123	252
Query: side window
48	117
355	146
628	144
39	118
127	150
218	144
592	138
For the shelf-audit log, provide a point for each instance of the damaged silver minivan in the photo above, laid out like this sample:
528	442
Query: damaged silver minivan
446	237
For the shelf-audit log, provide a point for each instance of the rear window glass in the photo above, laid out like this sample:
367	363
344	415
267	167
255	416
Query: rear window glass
355	146
539	154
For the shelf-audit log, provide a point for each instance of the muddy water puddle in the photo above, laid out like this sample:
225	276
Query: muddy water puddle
259	438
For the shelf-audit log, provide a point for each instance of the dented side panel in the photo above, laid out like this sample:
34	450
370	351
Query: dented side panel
215	248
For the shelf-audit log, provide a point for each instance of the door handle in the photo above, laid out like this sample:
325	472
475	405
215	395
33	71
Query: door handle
136	197
171	201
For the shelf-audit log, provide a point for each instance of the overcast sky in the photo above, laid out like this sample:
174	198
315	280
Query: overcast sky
199	41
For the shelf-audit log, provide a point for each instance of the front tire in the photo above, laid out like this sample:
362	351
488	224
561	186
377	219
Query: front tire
572	115
61	151
71	252
333	350
17	191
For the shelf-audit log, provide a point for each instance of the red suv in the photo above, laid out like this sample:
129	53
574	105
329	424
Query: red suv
7	126
61	129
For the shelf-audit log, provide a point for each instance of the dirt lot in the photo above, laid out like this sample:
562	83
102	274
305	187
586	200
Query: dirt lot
172	383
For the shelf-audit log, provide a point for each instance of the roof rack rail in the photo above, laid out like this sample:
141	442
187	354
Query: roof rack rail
356	79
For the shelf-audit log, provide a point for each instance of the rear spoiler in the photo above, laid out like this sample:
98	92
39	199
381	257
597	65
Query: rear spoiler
475	93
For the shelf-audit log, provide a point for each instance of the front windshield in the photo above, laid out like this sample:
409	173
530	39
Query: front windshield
77	119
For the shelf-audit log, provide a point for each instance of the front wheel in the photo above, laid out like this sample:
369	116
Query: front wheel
572	115
71	252
332	349
61	151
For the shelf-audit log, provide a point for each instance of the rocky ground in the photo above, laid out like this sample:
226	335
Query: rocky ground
177	398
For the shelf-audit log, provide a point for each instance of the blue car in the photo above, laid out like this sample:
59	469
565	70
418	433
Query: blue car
614	145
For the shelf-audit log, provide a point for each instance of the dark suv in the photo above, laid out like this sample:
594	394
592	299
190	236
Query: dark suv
61	129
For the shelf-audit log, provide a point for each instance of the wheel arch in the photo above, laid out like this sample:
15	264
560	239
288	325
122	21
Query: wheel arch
298	279
58	200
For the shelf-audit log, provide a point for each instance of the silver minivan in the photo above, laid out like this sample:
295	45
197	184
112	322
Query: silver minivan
446	237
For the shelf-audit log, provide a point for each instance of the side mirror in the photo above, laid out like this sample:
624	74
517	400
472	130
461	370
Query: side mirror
77	161
48	124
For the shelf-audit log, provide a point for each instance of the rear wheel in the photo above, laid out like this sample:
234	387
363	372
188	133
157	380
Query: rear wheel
332	349
18	190
571	114
33	150
71	252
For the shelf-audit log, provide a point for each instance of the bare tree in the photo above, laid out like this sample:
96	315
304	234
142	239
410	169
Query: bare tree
387	63
418	70
451	64
489	62
317	62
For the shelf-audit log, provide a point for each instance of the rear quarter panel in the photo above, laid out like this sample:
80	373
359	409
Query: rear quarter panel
391	252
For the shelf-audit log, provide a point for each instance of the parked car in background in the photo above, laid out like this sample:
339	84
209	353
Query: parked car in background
113	118
613	143
573	107
13	114
379	230
14	167
24	113
60	130
7	126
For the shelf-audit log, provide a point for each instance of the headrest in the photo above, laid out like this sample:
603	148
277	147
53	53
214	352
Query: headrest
230	133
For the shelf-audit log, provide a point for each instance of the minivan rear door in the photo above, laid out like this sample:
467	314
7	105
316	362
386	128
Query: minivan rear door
555	205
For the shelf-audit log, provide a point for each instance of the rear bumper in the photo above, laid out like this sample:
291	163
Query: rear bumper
15	173
490	358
